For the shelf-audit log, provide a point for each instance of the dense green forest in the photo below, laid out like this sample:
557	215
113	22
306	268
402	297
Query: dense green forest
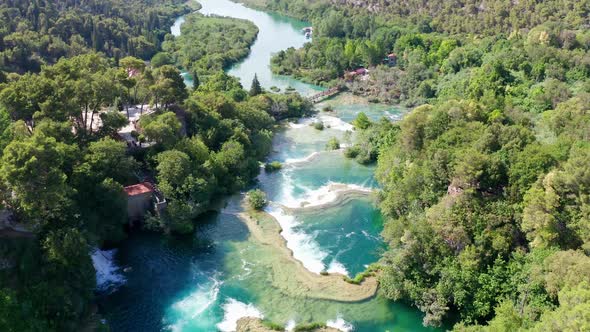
209	44
347	38
33	33
63	165
485	183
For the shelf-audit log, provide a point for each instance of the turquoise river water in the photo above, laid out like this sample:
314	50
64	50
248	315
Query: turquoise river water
207	281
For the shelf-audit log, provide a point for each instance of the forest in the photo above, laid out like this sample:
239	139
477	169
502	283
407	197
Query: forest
34	33
210	44
63	164
485	182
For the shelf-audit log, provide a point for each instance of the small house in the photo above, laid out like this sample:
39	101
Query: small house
139	200
349	76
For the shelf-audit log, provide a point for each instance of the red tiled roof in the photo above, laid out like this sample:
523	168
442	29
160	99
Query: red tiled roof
139	189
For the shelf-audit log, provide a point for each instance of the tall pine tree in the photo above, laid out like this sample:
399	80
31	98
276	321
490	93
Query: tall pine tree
256	89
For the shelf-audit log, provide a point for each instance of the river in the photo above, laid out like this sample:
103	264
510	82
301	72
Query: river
225	271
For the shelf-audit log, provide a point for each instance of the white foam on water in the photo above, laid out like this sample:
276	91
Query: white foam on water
350	234
200	300
290	325
309	158
329	121
340	324
108	274
302	123
335	123
304	247
233	310
337	267
393	117
323	195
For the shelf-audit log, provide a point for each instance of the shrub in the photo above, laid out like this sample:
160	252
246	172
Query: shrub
352	152
309	327
364	158
257	199
272	326
360	277
362	121
333	144
273	166
319	125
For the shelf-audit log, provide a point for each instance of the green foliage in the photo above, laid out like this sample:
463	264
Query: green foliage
255	89
161	59
40	33
309	327
333	144
257	199
162	129
210	44
273	326
273	166
360	277
168	87
318	125
62	170
361	121
32	170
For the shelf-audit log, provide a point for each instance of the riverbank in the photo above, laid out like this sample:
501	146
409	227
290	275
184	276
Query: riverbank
204	45
291	277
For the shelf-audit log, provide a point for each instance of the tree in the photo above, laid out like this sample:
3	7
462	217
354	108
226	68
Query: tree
33	169
67	273
255	89
161	59
196	81
108	158
169	86
163	129
174	167
361	121
555	212
257	199
333	144
112	122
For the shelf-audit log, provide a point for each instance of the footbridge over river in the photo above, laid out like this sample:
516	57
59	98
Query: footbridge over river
323	95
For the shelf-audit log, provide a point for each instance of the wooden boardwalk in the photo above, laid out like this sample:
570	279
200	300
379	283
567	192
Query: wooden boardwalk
323	95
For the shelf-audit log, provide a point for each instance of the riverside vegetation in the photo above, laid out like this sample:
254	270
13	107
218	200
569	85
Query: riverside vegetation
209	44
485	183
62	168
